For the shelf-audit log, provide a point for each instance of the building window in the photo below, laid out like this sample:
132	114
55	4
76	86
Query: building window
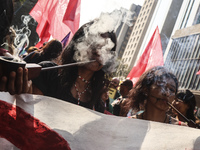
135	44
197	17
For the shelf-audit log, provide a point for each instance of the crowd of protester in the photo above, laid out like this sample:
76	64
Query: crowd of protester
90	85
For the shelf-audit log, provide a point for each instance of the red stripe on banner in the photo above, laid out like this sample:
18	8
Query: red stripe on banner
26	131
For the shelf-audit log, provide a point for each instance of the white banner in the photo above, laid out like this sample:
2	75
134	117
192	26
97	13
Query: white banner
83	129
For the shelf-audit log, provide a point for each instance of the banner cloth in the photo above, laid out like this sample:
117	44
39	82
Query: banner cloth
85	129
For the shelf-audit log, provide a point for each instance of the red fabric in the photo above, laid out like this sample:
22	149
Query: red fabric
27	132
152	56
56	18
107	112
72	15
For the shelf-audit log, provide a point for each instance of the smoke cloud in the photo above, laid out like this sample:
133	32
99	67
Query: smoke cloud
93	41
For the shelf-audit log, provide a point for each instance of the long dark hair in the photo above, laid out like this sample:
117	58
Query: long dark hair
188	98
139	93
70	74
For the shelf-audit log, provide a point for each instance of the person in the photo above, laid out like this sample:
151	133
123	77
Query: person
17	82
154	90
185	103
48	53
105	101
113	89
81	84
118	104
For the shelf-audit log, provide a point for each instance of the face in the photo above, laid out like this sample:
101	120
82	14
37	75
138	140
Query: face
123	90
105	96
96	65
162	92
114	83
181	106
93	66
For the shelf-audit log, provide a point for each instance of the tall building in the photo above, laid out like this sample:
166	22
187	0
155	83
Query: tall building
169	23
138	33
124	31
153	13
182	55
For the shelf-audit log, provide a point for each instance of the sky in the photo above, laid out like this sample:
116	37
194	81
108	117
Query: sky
91	9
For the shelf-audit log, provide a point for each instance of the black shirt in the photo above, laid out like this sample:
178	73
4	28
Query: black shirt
49	82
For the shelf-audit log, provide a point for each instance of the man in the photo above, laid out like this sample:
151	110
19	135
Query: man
113	89
125	87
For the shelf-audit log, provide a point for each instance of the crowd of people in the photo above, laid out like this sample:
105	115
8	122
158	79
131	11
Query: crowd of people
90	85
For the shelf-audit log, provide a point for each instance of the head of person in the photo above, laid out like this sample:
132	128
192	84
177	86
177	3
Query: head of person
114	83
87	45
185	102
125	87
52	49
157	87
104	94
6	15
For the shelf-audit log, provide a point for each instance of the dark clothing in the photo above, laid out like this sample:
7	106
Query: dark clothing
33	57
49	82
117	105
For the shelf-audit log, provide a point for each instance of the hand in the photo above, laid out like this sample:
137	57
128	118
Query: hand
17	82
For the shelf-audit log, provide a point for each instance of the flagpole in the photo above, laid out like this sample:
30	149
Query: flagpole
66	65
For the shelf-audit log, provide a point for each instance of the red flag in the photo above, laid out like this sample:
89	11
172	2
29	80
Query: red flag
152	56
198	72
72	15
51	19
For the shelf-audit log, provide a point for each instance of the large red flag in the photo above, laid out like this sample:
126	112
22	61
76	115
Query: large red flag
72	15
152	56
51	19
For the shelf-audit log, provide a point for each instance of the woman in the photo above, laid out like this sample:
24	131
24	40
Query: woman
154	90
185	103
105	101
81	84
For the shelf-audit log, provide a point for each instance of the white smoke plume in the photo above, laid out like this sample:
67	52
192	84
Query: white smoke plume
107	22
